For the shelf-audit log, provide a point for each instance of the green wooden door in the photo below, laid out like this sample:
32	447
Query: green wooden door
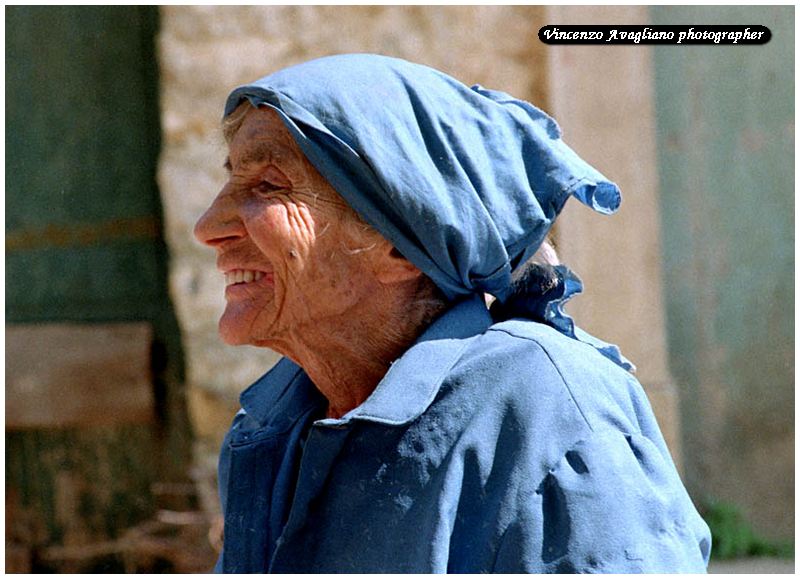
84	247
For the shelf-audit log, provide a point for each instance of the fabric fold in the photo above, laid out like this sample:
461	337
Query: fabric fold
539	293
463	181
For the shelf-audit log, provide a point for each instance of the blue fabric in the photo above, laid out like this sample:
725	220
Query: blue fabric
465	182
500	444
540	293
503	447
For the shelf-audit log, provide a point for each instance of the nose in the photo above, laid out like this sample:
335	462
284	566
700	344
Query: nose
220	223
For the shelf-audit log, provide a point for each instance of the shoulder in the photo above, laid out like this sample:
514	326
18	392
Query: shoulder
551	377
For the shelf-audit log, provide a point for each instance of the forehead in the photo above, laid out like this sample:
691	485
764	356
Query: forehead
263	136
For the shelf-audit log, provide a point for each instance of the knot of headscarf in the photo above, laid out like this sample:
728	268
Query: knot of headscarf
464	182
540	292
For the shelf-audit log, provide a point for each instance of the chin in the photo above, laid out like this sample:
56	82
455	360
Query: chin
231	334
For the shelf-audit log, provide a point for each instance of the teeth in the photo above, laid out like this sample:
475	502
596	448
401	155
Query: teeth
242	276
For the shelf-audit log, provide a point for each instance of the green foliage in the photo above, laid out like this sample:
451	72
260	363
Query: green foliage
733	537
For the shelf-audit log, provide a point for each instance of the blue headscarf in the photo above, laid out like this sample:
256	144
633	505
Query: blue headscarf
464	182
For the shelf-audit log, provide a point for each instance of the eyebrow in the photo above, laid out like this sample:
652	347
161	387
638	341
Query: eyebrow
261	153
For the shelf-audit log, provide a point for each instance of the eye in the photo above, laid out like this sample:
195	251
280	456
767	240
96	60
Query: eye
266	187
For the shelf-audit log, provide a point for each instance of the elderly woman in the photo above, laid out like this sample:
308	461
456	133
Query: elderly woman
371	206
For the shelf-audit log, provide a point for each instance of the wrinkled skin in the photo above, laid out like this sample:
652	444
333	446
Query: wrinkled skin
325	307
276	215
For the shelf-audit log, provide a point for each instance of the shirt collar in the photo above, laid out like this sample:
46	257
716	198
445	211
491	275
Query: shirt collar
409	387
281	396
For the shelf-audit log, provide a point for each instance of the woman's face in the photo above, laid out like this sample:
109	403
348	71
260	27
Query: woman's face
279	230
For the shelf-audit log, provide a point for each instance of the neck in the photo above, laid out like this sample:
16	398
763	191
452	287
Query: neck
347	356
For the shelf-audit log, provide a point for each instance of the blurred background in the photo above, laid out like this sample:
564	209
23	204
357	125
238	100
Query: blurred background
118	390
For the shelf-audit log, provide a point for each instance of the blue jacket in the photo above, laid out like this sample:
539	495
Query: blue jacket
487	447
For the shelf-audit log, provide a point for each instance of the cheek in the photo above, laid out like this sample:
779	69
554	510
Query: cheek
338	270
270	222
286	233
268	227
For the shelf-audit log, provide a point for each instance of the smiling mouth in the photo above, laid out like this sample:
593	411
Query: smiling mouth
241	276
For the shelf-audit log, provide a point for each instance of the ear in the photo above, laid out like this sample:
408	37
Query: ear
391	267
